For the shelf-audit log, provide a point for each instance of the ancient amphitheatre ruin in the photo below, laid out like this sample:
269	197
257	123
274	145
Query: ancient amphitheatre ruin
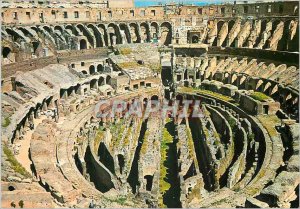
240	60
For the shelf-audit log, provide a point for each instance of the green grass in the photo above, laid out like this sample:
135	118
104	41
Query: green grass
164	186
5	122
125	51
155	67
205	92
269	122
128	134
144	146
190	142
117	129
99	137
259	96
121	200
16	166
232	122
126	65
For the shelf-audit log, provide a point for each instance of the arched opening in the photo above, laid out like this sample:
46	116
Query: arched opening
145	32
87	34
58	28
35	46
98	36
166	33
154	98
70	91
134	32
83	44
106	158
179	99
108	79
296	10
149	182
71	30
77	88
92	69
101	81
93	84
154	29
121	162
145	102
114	34
11	188
126	32
5	52
84	72
99	68
195	39
263	26
103	31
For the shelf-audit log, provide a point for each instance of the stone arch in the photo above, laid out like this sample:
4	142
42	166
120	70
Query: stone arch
92	70
263	28
35	46
283	42
97	34
77	89
37	110
274	90
6	52
145	102
49	102
113	30
154	29
101	81
86	33
125	29
219	27
179	99
100	68
47	28
145	30
259	85
83	44
226	77
234	79
59	28
275	22
26	32
103	31
108	80
62	93
230	25
195	39
70	91
267	87
71	30
93	84
293	36
15	36
154	97
166	33
296	10
134	32
242	82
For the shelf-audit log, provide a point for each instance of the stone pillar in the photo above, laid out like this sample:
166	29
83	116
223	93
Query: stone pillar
13	83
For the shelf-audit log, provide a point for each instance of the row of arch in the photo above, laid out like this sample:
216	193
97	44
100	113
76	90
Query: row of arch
227	34
287	98
90	35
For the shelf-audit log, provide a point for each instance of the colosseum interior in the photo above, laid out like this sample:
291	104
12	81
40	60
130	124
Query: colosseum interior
240	60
